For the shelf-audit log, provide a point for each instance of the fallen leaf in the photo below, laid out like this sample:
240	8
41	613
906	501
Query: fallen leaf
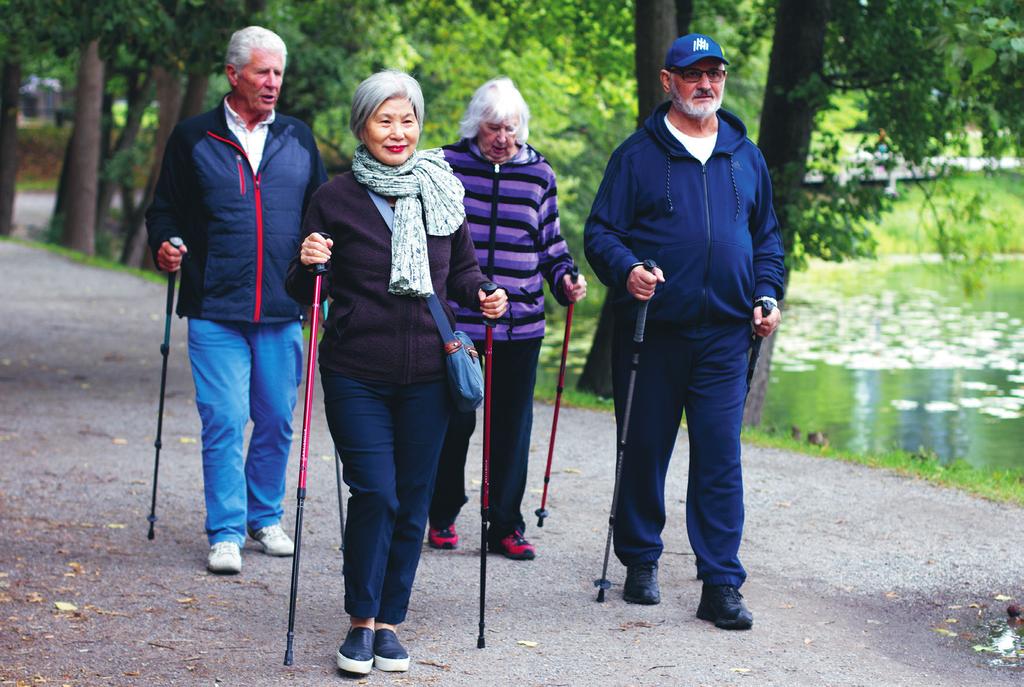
436	664
808	640
944	632
784	504
1002	597
119	441
950	620
786	606
572	471
187	440
954	607
892	595
526	643
636	623
133	673
34	598
974	606
65	606
185	600
115	525
740	670
326	457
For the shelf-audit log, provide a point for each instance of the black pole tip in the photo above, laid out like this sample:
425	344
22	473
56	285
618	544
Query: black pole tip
288	657
600	596
541	513
150	535
602	585
480	642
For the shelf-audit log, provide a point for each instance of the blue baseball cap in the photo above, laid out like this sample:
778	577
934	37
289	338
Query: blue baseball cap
693	47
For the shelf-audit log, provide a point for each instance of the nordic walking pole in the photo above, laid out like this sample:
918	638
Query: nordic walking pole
307	411
165	349
542	512
755	345
485	488
638	339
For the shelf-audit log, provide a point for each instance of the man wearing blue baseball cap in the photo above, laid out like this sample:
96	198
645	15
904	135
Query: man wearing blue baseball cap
690	191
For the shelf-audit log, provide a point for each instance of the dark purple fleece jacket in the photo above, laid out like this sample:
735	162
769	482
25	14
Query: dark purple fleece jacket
370	334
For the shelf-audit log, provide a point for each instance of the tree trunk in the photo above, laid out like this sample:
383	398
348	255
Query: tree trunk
787	120
168	97
80	219
138	96
684	14
654	30
195	95
8	143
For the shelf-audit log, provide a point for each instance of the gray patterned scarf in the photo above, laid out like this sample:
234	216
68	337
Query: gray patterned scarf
425	188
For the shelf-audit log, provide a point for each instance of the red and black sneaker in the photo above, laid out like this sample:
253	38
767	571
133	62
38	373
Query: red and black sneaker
443	538
516	547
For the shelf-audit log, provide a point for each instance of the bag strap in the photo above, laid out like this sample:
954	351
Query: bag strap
451	342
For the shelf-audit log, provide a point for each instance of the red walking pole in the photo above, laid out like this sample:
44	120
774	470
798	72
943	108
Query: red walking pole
314	322
485	488
542	512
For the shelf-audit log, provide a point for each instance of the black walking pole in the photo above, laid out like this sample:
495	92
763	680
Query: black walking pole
638	338
485	488
314	322
165	349
755	344
542	512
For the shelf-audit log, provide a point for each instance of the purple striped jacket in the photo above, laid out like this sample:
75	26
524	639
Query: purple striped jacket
512	213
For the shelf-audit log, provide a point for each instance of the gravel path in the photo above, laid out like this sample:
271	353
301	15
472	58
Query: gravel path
852	570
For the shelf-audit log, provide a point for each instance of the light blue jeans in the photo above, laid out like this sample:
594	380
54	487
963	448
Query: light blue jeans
244	371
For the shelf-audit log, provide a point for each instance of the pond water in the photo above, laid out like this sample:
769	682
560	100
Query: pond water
887	354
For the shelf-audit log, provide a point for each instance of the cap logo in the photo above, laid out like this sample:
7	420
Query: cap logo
700	44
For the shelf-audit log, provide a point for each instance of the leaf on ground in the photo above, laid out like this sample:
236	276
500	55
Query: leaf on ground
740	670
436	664
892	595
784	504
102	611
572	471
188	440
325	457
944	632
537	492
808	641
974	606
185	600
982	647
527	643
954	607
119	441
34	598
637	623
1002	597
786	606
950	620
65	606
115	525
133	673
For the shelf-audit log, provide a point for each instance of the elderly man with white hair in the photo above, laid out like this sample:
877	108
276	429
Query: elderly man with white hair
512	211
234	186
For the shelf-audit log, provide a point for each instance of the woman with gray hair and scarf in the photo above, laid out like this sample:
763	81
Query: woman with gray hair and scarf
381	357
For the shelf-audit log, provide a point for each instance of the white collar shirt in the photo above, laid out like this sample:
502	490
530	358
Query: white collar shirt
252	141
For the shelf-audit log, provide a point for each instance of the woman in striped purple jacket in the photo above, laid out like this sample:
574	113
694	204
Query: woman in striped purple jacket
512	211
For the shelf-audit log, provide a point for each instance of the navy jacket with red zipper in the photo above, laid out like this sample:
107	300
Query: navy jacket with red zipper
241	228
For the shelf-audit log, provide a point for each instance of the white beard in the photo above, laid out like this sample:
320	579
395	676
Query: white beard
694	110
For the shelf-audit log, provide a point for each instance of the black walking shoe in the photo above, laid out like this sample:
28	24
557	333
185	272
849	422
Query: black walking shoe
356	654
723	605
388	653
642	584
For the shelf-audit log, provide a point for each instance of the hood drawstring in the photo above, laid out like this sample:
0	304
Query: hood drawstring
668	183
735	189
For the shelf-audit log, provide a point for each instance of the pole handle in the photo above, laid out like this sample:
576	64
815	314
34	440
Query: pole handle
489	287
176	242
574	273
641	317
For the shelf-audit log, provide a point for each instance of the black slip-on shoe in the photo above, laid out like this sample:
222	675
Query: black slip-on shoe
388	653
355	655
642	584
722	604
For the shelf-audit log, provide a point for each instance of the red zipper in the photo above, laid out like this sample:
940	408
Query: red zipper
259	223
259	250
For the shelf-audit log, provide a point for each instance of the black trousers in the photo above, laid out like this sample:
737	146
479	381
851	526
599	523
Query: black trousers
513	375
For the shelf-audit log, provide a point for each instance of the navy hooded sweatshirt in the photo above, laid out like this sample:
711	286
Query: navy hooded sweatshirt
711	228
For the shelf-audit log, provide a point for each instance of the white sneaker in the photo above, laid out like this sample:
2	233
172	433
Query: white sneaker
274	540
225	558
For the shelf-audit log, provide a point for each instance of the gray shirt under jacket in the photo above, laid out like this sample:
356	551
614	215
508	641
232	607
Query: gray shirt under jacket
370	334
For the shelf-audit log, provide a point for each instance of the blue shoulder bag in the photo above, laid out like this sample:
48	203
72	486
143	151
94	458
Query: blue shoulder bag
465	378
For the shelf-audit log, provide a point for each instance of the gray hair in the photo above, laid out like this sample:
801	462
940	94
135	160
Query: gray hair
497	101
244	41
379	87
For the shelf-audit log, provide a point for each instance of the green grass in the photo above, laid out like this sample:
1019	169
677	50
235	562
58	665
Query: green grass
1006	486
47	184
906	229
92	261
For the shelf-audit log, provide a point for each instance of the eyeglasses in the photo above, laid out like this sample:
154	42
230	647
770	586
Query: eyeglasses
694	75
